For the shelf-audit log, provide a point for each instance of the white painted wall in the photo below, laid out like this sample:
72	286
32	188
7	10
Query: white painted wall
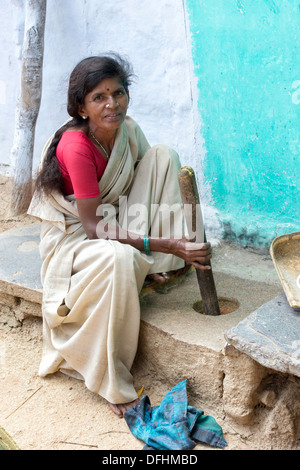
154	36
150	32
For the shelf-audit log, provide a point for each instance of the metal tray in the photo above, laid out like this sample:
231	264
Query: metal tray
285	253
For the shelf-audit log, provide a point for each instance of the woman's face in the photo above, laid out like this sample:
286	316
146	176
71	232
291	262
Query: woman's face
106	105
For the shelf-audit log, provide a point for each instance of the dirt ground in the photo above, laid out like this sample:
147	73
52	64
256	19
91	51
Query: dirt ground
58	412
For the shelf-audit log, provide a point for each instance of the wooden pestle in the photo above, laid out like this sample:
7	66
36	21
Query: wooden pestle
190	199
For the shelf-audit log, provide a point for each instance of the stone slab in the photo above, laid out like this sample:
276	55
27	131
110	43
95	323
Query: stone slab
270	335
20	262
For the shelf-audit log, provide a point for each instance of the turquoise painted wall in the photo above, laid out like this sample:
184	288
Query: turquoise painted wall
247	62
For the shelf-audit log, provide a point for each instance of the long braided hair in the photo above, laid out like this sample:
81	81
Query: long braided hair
85	77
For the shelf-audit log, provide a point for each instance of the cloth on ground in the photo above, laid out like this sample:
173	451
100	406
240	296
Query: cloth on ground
173	425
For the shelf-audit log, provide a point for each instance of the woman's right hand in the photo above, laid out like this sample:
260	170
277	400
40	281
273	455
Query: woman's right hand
196	254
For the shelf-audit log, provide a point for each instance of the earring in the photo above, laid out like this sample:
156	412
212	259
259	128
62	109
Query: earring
84	117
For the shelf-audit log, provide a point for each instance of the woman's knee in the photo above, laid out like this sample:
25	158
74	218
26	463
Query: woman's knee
131	262
165	154
123	255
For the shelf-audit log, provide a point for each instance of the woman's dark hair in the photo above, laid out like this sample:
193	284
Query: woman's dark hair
84	78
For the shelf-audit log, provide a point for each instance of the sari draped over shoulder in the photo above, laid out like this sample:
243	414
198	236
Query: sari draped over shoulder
91	310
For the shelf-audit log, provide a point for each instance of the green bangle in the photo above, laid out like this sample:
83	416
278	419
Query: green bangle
146	246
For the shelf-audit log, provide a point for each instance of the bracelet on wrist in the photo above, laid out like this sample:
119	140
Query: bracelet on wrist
147	246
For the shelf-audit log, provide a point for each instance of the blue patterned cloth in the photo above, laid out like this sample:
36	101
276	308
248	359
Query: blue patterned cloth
173	425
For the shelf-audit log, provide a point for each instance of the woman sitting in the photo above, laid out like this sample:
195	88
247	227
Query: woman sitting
104	198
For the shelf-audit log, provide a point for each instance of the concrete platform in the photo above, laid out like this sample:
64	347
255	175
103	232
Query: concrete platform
239	275
240	279
174	313
226	359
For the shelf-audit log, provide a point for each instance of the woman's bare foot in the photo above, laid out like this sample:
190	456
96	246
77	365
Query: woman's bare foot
121	408
161	278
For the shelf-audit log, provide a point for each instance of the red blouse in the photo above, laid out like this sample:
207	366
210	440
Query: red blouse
81	164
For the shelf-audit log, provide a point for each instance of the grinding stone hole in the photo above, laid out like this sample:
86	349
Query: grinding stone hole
226	305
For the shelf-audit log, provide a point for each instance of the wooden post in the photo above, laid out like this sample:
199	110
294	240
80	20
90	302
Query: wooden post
28	106
190	199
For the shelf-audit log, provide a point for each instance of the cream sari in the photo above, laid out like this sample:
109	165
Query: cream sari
91	309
